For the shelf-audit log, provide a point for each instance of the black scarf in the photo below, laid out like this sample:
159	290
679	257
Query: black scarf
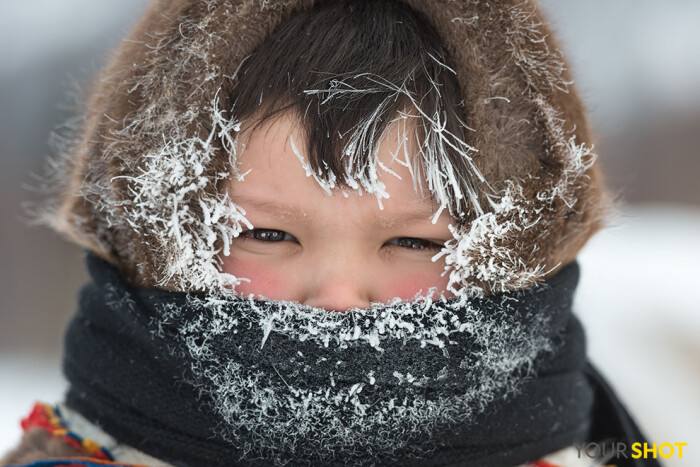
199	380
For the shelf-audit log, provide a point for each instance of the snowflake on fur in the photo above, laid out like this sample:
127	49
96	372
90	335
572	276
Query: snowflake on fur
174	176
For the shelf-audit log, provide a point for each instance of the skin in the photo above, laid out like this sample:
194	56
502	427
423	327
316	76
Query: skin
334	252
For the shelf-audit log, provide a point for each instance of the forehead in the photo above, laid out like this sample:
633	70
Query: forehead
275	171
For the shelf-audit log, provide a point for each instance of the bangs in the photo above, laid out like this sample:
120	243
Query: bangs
347	71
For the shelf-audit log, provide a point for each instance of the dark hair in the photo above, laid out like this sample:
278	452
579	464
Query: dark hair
365	57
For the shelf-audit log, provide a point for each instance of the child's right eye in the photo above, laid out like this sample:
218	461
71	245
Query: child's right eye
266	235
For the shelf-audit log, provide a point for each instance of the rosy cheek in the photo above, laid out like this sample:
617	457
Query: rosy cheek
264	280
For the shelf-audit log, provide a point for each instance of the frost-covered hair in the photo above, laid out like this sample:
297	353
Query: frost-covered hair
386	65
511	159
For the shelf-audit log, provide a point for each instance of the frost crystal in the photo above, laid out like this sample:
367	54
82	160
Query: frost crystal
172	177
483	251
444	183
291	381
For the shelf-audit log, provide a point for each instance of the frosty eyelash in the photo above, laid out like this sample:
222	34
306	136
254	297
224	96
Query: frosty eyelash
425	244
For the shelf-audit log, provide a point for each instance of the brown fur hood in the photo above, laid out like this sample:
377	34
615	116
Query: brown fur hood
142	186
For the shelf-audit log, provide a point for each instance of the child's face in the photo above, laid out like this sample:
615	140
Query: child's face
333	252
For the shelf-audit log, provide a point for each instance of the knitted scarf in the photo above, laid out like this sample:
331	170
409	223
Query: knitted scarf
206	380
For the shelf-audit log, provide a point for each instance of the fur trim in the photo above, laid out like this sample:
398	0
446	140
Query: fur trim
142	186
37	444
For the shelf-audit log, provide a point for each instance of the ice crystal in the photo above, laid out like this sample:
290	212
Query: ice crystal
357	384
483	252
443	182
174	176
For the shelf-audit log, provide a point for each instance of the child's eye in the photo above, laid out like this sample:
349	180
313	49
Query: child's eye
266	235
416	244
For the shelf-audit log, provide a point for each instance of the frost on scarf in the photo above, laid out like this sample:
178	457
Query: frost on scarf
292	382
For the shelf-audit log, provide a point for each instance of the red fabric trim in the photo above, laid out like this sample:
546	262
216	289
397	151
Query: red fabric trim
37	418
541	463
42	416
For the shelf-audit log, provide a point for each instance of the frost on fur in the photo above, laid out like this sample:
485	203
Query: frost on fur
542	66
291	381
483	252
171	179
489	254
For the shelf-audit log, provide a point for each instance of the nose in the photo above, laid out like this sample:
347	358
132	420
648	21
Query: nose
338	285
338	297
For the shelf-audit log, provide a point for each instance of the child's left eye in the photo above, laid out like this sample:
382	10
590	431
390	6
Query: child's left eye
416	244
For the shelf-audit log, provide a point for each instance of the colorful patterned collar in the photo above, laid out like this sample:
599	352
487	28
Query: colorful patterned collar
50	419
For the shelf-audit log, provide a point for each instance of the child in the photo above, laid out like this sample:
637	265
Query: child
330	233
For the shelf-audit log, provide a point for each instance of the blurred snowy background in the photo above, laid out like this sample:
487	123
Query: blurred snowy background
636	63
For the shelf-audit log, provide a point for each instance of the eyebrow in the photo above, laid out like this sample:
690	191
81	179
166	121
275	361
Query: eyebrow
292	212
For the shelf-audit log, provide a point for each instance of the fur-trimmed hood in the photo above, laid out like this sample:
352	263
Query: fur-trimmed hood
142	185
